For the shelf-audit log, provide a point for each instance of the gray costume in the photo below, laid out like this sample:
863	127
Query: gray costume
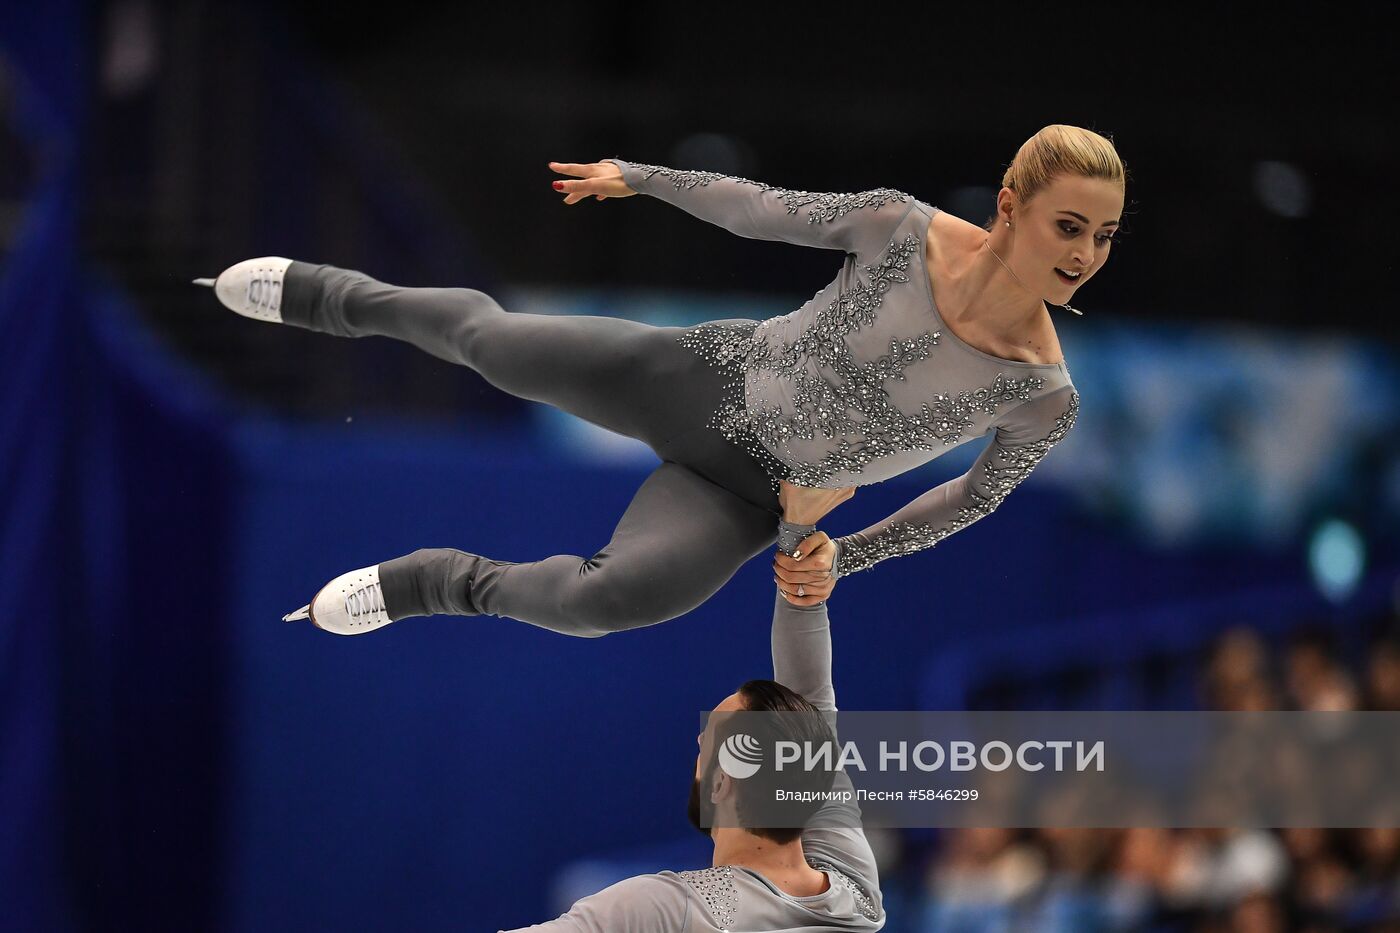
731	897
861	383
864	381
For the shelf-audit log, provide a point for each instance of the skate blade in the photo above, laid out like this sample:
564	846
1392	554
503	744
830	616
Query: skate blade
303	613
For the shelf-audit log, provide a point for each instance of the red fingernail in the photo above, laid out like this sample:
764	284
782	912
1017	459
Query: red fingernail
558	186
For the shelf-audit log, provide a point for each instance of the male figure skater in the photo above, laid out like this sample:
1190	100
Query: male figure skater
822	877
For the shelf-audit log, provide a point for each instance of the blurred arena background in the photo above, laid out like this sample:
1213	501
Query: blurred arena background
1219	531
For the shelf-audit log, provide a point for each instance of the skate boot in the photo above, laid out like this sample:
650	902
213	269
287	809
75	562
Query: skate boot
252	287
351	604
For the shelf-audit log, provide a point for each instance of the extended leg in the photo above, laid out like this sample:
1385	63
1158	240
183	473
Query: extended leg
626	376
681	538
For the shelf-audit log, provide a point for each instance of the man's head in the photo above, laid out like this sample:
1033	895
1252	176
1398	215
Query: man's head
713	790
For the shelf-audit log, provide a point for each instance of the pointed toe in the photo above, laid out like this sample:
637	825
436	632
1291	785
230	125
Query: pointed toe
351	604
252	288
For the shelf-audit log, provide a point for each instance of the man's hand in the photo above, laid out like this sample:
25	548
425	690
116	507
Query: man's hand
804	505
806	581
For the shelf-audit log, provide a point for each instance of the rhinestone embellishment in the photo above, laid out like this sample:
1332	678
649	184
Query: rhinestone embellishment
830	386
1005	470
831	395
716	888
823	206
864	904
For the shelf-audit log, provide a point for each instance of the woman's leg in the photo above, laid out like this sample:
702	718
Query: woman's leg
680	540
626	376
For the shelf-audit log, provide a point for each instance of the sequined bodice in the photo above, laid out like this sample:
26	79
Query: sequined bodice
863	382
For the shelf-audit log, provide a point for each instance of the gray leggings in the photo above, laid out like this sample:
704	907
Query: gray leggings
700	516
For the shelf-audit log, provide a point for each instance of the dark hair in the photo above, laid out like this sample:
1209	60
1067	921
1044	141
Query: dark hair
769	696
808	726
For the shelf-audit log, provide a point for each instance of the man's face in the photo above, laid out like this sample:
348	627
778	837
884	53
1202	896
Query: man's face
705	741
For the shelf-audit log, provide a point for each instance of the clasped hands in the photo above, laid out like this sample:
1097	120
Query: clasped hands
804	577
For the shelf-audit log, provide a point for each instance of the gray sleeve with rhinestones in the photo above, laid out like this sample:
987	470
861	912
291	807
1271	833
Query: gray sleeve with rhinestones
858	223
1020	443
640	904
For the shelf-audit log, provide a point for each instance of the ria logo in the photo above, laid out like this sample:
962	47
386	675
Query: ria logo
740	756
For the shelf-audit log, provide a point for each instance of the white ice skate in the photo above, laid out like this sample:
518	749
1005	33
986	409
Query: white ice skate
351	604
252	287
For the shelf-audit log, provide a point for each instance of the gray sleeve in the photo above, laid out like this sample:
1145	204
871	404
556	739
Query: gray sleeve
860	224
1021	442
641	904
801	641
802	662
791	534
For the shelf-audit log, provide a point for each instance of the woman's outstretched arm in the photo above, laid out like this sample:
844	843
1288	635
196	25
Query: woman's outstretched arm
1026	437
860	223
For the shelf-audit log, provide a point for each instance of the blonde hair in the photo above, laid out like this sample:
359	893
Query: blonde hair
1059	149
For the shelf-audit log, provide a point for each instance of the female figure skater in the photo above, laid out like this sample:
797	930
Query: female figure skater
933	333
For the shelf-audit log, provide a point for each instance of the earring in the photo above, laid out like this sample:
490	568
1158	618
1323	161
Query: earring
1008	223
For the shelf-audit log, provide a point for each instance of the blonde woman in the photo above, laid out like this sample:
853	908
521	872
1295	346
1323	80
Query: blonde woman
934	332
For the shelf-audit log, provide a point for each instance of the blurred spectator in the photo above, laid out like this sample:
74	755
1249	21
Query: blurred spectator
1215	868
981	877
1316	679
1258	913
1237	674
1245	880
1383	675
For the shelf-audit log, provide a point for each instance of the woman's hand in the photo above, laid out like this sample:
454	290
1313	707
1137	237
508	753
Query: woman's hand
804	505
807	580
599	179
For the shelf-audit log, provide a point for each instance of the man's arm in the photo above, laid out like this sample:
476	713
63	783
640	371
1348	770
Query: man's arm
641	904
860	224
801	641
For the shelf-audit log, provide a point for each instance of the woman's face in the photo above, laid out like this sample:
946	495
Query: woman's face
1069	225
